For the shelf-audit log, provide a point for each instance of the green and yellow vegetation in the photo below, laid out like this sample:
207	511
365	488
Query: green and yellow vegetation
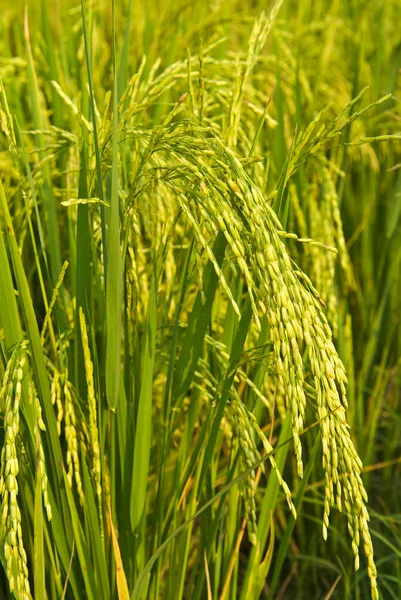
199	300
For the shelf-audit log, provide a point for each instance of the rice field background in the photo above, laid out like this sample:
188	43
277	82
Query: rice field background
200	292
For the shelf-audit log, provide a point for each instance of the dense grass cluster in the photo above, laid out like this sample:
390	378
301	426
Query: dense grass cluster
199	309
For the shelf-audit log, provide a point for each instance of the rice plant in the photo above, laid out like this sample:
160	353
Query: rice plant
199	317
